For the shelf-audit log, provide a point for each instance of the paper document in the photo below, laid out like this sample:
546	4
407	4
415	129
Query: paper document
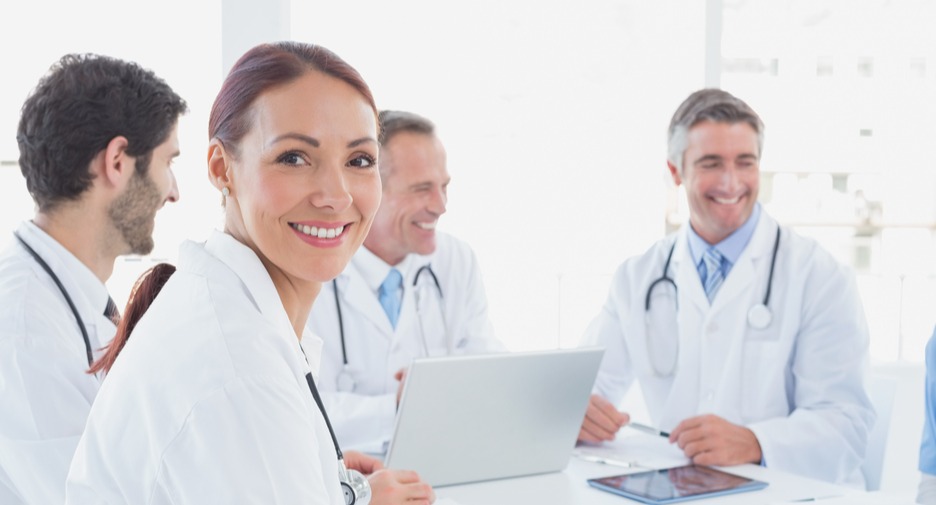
635	449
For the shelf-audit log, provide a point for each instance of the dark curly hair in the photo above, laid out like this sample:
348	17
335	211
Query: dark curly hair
77	109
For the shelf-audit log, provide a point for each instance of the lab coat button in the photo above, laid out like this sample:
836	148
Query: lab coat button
710	395
712	328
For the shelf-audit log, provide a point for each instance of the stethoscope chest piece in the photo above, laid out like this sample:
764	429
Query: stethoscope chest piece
759	317
356	488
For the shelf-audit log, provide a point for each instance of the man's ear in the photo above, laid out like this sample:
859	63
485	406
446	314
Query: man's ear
674	172
219	166
115	165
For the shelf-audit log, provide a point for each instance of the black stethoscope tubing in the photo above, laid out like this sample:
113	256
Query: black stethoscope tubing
664	278
773	263
344	350
355	486
321	406
71	304
668	279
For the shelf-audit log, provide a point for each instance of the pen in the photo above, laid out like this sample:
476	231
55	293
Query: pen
648	429
606	461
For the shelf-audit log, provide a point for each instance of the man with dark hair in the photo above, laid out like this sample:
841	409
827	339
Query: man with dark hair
410	292
97	138
748	340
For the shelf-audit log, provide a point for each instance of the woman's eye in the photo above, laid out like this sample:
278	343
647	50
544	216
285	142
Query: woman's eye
290	159
362	161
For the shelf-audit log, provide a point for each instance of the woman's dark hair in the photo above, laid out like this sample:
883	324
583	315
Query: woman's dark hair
141	297
266	66
83	103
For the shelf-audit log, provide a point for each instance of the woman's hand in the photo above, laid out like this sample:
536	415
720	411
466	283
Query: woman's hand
392	487
362	462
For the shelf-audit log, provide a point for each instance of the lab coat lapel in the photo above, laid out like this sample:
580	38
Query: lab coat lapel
363	302
693	306
687	277
255	278
743	273
409	325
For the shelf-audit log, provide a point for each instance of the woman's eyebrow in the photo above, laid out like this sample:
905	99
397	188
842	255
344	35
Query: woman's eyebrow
296	136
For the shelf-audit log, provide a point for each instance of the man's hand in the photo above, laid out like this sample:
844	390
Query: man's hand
400	375
391	487
711	440
362	462
602	421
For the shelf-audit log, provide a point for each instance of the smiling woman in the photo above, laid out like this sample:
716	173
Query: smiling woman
211	396
269	169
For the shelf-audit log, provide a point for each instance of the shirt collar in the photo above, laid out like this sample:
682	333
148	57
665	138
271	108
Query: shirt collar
374	270
731	246
73	274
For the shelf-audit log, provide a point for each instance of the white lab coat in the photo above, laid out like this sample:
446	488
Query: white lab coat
798	384
363	418
208	402
45	392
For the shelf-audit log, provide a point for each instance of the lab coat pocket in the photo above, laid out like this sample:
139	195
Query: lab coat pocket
762	380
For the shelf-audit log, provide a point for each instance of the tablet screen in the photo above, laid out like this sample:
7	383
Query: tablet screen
676	483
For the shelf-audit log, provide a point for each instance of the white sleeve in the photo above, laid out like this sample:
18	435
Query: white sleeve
615	375
827	432
46	396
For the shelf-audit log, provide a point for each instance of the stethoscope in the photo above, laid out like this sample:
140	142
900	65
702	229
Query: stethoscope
354	485
345	382
758	317
71	304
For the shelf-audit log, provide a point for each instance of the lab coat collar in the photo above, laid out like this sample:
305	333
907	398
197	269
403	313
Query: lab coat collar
87	291
354	292
241	262
732	246
741	275
360	291
374	270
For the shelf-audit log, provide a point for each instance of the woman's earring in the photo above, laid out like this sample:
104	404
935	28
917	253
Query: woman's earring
225	192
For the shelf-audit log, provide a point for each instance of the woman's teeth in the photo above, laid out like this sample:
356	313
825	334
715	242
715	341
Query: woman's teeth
314	231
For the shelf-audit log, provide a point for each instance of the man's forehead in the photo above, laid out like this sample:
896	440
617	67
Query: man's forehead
420	157
711	134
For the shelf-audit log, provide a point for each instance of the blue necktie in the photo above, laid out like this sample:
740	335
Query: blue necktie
390	294
713	272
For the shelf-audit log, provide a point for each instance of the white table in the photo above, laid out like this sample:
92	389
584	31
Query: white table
569	487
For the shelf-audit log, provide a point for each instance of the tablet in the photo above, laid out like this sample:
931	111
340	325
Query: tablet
674	485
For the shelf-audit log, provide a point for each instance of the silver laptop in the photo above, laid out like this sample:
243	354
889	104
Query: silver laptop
473	418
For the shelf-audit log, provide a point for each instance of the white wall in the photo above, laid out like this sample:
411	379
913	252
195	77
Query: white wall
554	115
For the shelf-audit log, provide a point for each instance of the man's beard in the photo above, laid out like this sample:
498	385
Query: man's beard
132	213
